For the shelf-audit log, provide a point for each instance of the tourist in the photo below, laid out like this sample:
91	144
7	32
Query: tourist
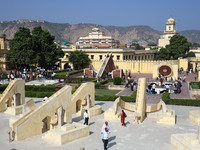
123	116
45	98
126	83
184	78
154	88
86	117
149	91
175	89
8	77
2	76
53	75
131	86
167	88
105	138
134	86
105	125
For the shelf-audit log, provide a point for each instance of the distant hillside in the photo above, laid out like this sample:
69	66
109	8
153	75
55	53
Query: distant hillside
71	33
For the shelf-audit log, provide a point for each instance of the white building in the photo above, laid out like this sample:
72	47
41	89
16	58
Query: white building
97	39
168	33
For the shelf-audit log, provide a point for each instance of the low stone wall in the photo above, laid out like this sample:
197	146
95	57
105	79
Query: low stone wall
194	92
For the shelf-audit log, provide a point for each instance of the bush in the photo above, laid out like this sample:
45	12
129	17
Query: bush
38	94
117	81
131	98
184	102
42	88
101	85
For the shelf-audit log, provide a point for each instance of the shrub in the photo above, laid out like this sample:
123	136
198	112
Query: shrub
117	81
38	94
184	102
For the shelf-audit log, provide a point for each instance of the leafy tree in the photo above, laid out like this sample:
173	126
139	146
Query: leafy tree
46	52
152	44
21	52
137	46
38	48
178	47
79	59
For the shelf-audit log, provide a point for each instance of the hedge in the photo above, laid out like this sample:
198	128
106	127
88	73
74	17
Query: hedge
43	88
184	102
63	74
117	81
131	98
101	84
195	85
36	88
38	94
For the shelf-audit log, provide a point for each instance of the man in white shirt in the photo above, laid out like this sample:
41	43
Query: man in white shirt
86	117
105	125
105	138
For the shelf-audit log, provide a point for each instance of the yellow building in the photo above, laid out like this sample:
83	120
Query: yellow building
118	55
3	52
168	33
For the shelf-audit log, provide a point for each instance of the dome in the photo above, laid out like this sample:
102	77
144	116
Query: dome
170	21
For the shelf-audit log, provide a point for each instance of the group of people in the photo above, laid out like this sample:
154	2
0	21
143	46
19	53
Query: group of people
105	130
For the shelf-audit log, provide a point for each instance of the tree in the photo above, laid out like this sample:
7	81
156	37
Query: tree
79	59
178	47
152	44
38	48
21	52
46	51
137	46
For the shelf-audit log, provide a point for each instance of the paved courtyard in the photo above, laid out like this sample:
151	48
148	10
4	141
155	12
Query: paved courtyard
145	136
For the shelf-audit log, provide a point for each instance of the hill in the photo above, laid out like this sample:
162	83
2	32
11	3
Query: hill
71	33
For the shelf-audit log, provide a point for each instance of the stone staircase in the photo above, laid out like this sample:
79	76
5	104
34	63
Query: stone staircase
103	66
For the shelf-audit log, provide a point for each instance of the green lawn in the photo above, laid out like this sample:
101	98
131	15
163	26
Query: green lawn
105	92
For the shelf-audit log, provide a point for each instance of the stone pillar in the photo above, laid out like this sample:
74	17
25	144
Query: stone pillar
14	100
60	117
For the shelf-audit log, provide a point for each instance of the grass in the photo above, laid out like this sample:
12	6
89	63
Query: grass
105	92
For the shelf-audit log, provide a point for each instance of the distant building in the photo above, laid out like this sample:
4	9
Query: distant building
97	39
3	52
168	33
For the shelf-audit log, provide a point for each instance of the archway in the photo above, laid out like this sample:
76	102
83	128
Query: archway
46	124
78	105
18	99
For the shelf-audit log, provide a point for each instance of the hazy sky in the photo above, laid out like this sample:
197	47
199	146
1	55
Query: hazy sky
153	13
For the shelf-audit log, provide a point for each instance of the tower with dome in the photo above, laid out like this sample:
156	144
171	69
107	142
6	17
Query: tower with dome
168	33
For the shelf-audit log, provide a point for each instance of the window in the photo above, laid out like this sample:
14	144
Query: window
100	57
169	27
124	58
135	57
129	57
67	56
145	57
118	57
138	57
142	57
92	56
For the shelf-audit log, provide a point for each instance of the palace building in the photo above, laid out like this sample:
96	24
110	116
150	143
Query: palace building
168	33
97	39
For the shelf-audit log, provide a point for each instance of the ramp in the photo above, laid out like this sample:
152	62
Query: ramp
40	119
83	97
107	66
13	95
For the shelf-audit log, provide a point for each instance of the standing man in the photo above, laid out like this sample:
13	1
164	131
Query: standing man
86	117
105	138
105	125
123	116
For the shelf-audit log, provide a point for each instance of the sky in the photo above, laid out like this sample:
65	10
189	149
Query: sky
153	13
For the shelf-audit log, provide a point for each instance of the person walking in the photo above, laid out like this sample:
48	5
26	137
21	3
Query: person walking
105	138
123	116
86	117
